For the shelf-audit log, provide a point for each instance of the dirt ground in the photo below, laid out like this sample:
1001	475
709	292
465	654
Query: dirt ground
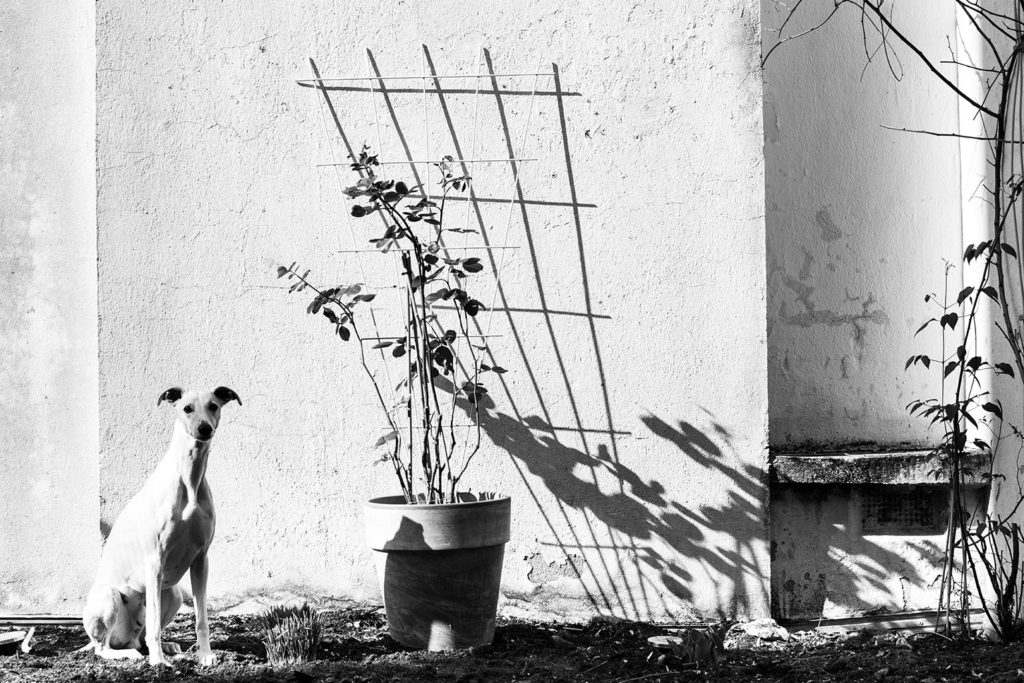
357	648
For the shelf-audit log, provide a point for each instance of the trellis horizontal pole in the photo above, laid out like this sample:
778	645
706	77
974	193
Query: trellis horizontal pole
417	427
439	77
582	430
442	91
278	286
545	311
444	248
475	336
516	200
428	161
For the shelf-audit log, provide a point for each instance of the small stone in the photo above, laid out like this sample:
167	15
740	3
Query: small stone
765	629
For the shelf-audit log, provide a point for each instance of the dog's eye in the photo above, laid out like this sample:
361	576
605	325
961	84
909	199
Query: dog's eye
188	409
212	407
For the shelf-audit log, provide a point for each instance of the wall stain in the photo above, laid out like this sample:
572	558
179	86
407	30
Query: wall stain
810	316
813	316
829	230
807	266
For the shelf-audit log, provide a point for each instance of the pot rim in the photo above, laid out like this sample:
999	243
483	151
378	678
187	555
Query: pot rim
391	502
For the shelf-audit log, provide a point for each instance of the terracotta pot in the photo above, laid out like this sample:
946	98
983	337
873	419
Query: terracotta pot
439	568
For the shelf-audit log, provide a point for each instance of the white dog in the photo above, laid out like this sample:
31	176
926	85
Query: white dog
164	530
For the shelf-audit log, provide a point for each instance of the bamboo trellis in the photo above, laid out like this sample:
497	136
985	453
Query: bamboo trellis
342	155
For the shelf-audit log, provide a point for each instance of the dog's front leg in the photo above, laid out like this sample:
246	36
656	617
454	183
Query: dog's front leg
197	573
154	640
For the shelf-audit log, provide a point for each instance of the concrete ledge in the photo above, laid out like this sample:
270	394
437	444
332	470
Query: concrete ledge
922	621
903	467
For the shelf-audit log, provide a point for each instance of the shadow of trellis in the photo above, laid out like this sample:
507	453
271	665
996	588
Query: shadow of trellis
625	552
630	574
648	519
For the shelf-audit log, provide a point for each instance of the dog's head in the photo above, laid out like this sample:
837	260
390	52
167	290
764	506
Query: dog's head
199	411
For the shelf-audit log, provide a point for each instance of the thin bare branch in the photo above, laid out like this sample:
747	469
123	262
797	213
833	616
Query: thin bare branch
953	135
798	35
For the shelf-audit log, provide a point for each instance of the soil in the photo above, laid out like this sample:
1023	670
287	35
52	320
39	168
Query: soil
356	647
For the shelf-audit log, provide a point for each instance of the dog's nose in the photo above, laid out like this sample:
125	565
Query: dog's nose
205	430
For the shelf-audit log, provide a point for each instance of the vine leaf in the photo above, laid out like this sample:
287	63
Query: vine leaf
390	436
994	409
968	416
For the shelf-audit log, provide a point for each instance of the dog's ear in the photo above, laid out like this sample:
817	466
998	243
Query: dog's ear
225	395
172	395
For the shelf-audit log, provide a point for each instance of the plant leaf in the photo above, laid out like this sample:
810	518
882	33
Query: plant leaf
994	409
390	436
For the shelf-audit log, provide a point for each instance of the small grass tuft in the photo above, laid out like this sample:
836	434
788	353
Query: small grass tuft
290	634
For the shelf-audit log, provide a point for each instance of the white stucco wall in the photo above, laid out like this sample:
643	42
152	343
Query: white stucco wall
206	153
49	505
859	220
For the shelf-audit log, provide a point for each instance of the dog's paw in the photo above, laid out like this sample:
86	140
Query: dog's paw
111	653
207	659
158	659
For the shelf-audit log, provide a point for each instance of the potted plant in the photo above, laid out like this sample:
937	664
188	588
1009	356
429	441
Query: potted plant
438	548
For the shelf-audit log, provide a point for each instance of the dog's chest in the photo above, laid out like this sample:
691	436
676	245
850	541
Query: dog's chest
185	537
